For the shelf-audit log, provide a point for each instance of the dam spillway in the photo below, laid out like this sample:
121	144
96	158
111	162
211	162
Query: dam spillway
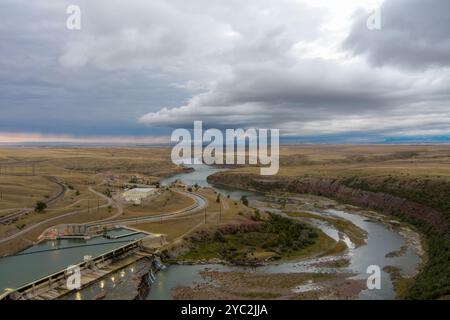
51	256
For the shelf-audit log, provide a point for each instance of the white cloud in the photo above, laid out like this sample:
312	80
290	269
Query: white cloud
266	63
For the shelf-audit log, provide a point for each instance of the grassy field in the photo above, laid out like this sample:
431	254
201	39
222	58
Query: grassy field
105	170
176	228
24	191
416	173
407	161
167	201
419	173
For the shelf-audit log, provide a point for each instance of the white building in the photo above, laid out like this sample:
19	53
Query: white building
137	194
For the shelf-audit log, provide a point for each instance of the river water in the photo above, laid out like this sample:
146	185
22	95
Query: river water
49	257
381	240
199	176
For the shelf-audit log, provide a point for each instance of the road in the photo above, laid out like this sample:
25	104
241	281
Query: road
62	190
23	211
200	204
110	202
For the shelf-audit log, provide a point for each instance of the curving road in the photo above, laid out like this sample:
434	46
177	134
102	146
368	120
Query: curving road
23	211
41	223
200	204
59	194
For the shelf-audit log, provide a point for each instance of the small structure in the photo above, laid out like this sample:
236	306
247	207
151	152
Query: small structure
137	194
177	184
65	231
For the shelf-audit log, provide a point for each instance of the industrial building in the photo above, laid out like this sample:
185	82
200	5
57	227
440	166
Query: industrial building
137	194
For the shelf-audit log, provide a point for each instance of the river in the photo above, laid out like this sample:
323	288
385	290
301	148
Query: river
381	240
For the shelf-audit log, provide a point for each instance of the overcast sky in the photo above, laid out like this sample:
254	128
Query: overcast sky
311	68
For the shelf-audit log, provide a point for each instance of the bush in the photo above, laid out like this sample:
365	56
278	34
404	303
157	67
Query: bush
244	200
40	206
256	216
218	236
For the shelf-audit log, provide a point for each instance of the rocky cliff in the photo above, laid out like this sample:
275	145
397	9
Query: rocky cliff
340	190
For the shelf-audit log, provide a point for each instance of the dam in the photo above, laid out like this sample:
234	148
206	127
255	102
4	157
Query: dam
45	264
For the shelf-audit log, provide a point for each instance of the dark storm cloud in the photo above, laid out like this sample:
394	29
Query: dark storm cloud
414	34
265	63
38	93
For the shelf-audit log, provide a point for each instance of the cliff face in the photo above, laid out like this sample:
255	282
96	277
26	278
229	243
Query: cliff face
336	189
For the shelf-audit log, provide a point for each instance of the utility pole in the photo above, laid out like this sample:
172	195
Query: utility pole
205	215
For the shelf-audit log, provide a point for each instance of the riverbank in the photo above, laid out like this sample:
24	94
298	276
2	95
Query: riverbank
368	241
251	285
430	222
258	240
332	263
246	243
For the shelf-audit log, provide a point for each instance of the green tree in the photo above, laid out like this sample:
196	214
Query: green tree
244	200
40	206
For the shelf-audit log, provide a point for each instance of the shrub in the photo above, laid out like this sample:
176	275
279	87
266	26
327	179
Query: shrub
40	206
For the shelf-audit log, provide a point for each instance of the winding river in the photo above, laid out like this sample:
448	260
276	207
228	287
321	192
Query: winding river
381	240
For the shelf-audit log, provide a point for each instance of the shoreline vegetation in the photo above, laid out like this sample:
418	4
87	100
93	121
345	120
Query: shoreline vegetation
206	248
409	183
356	235
261	240
427	209
268	239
